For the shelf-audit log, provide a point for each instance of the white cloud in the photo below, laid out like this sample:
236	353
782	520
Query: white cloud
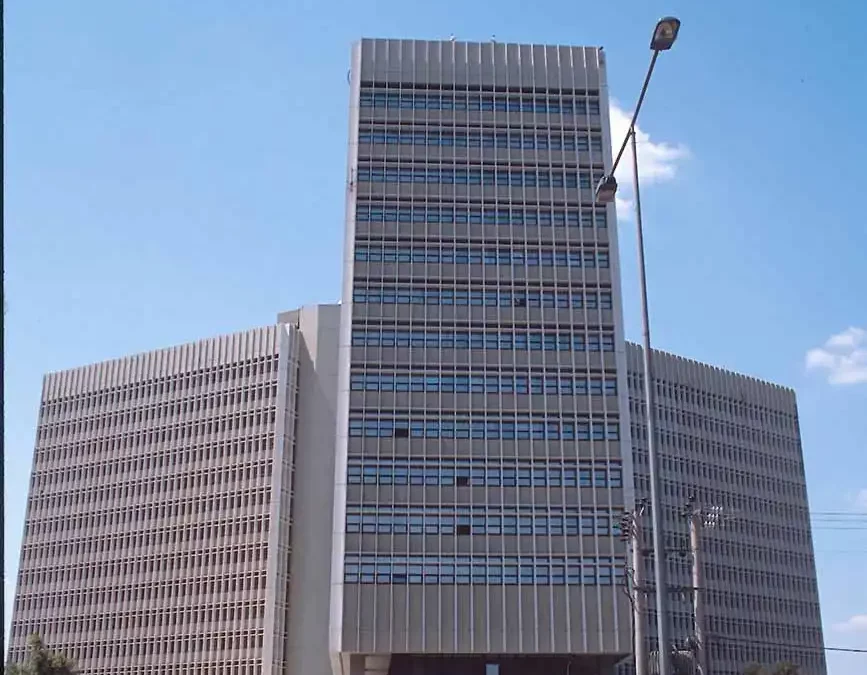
624	206
843	356
854	624
860	500
657	162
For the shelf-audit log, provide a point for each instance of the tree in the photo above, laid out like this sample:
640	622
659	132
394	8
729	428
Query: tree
41	661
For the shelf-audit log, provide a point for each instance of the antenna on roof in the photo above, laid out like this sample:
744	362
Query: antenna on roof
452	37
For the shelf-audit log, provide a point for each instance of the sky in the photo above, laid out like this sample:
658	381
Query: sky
176	170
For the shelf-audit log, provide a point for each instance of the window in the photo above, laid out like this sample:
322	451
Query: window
488	256
489	298
479	176
478	472
462	214
508	340
478	569
392	135
379	97
536	427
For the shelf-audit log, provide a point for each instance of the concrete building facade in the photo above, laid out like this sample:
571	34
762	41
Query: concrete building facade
158	535
429	477
482	414
732	444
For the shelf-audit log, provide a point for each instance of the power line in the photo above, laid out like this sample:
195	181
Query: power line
860	551
831	526
804	648
843	519
840	527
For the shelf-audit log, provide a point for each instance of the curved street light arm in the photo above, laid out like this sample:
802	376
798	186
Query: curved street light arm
631	129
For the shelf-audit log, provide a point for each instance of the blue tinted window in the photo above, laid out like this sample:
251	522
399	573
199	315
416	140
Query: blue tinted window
387	568
382	426
367	212
484	176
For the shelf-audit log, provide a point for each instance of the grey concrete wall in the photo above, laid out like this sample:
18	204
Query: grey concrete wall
275	634
310	586
733	442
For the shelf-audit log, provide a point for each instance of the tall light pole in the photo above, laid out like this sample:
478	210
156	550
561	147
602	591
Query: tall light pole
664	36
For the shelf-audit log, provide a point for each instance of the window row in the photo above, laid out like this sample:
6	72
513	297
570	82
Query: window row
750	409
447	296
51	554
178	426
532	178
721	473
151	587
189	642
513	138
451	254
93	536
465	101
541	570
366	212
753	502
139	407
478	473
168	411
99	458
372	425
157	387
503	340
785	466
371	520
676	418
487	384
421	296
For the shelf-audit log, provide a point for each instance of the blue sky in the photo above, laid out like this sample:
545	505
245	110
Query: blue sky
176	170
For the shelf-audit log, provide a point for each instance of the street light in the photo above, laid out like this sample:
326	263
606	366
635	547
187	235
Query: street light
664	36
606	190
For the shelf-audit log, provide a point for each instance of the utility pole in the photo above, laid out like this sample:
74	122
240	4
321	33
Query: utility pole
695	524
631	528
700	518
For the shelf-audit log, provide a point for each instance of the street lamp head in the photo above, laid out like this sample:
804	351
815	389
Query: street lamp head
606	189
665	34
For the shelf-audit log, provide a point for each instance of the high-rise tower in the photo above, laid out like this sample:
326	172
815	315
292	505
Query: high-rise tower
481	407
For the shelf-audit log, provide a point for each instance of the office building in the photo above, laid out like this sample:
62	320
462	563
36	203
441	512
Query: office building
166	489
430	477
731	446
106	484
480	435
